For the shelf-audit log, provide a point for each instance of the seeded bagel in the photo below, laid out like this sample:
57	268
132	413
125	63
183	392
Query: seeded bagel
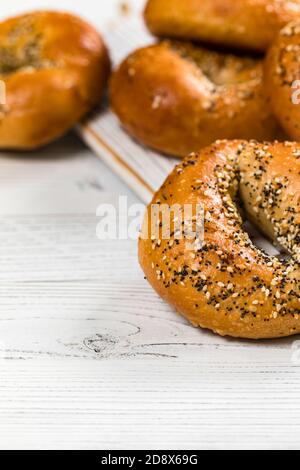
227	284
177	98
54	67
247	24
282	79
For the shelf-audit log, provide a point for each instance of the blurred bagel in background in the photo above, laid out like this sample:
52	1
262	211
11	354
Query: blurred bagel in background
177	97
55	67
282	75
248	24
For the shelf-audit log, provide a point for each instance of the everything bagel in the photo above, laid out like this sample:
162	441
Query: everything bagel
248	24
55	67
176	98
281	70
228	285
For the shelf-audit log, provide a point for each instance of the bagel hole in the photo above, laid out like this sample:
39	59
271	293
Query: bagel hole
257	237
263	243
220	67
12	59
21	48
218	48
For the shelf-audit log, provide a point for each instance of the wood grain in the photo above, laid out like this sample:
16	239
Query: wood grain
146	404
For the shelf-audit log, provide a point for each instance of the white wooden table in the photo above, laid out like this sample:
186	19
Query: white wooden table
90	358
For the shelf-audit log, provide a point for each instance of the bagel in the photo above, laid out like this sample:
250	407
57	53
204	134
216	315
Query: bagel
227	284
54	67
177	98
247	24
281	70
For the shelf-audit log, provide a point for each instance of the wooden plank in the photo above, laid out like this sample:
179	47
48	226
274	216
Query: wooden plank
142	404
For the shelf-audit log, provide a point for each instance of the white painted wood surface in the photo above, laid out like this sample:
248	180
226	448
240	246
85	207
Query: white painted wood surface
90	358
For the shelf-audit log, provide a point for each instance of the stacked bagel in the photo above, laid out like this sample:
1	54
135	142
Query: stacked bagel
187	85
185	94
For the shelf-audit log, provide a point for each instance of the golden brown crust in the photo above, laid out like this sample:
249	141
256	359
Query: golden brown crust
55	67
228	285
248	24
178	98
282	75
